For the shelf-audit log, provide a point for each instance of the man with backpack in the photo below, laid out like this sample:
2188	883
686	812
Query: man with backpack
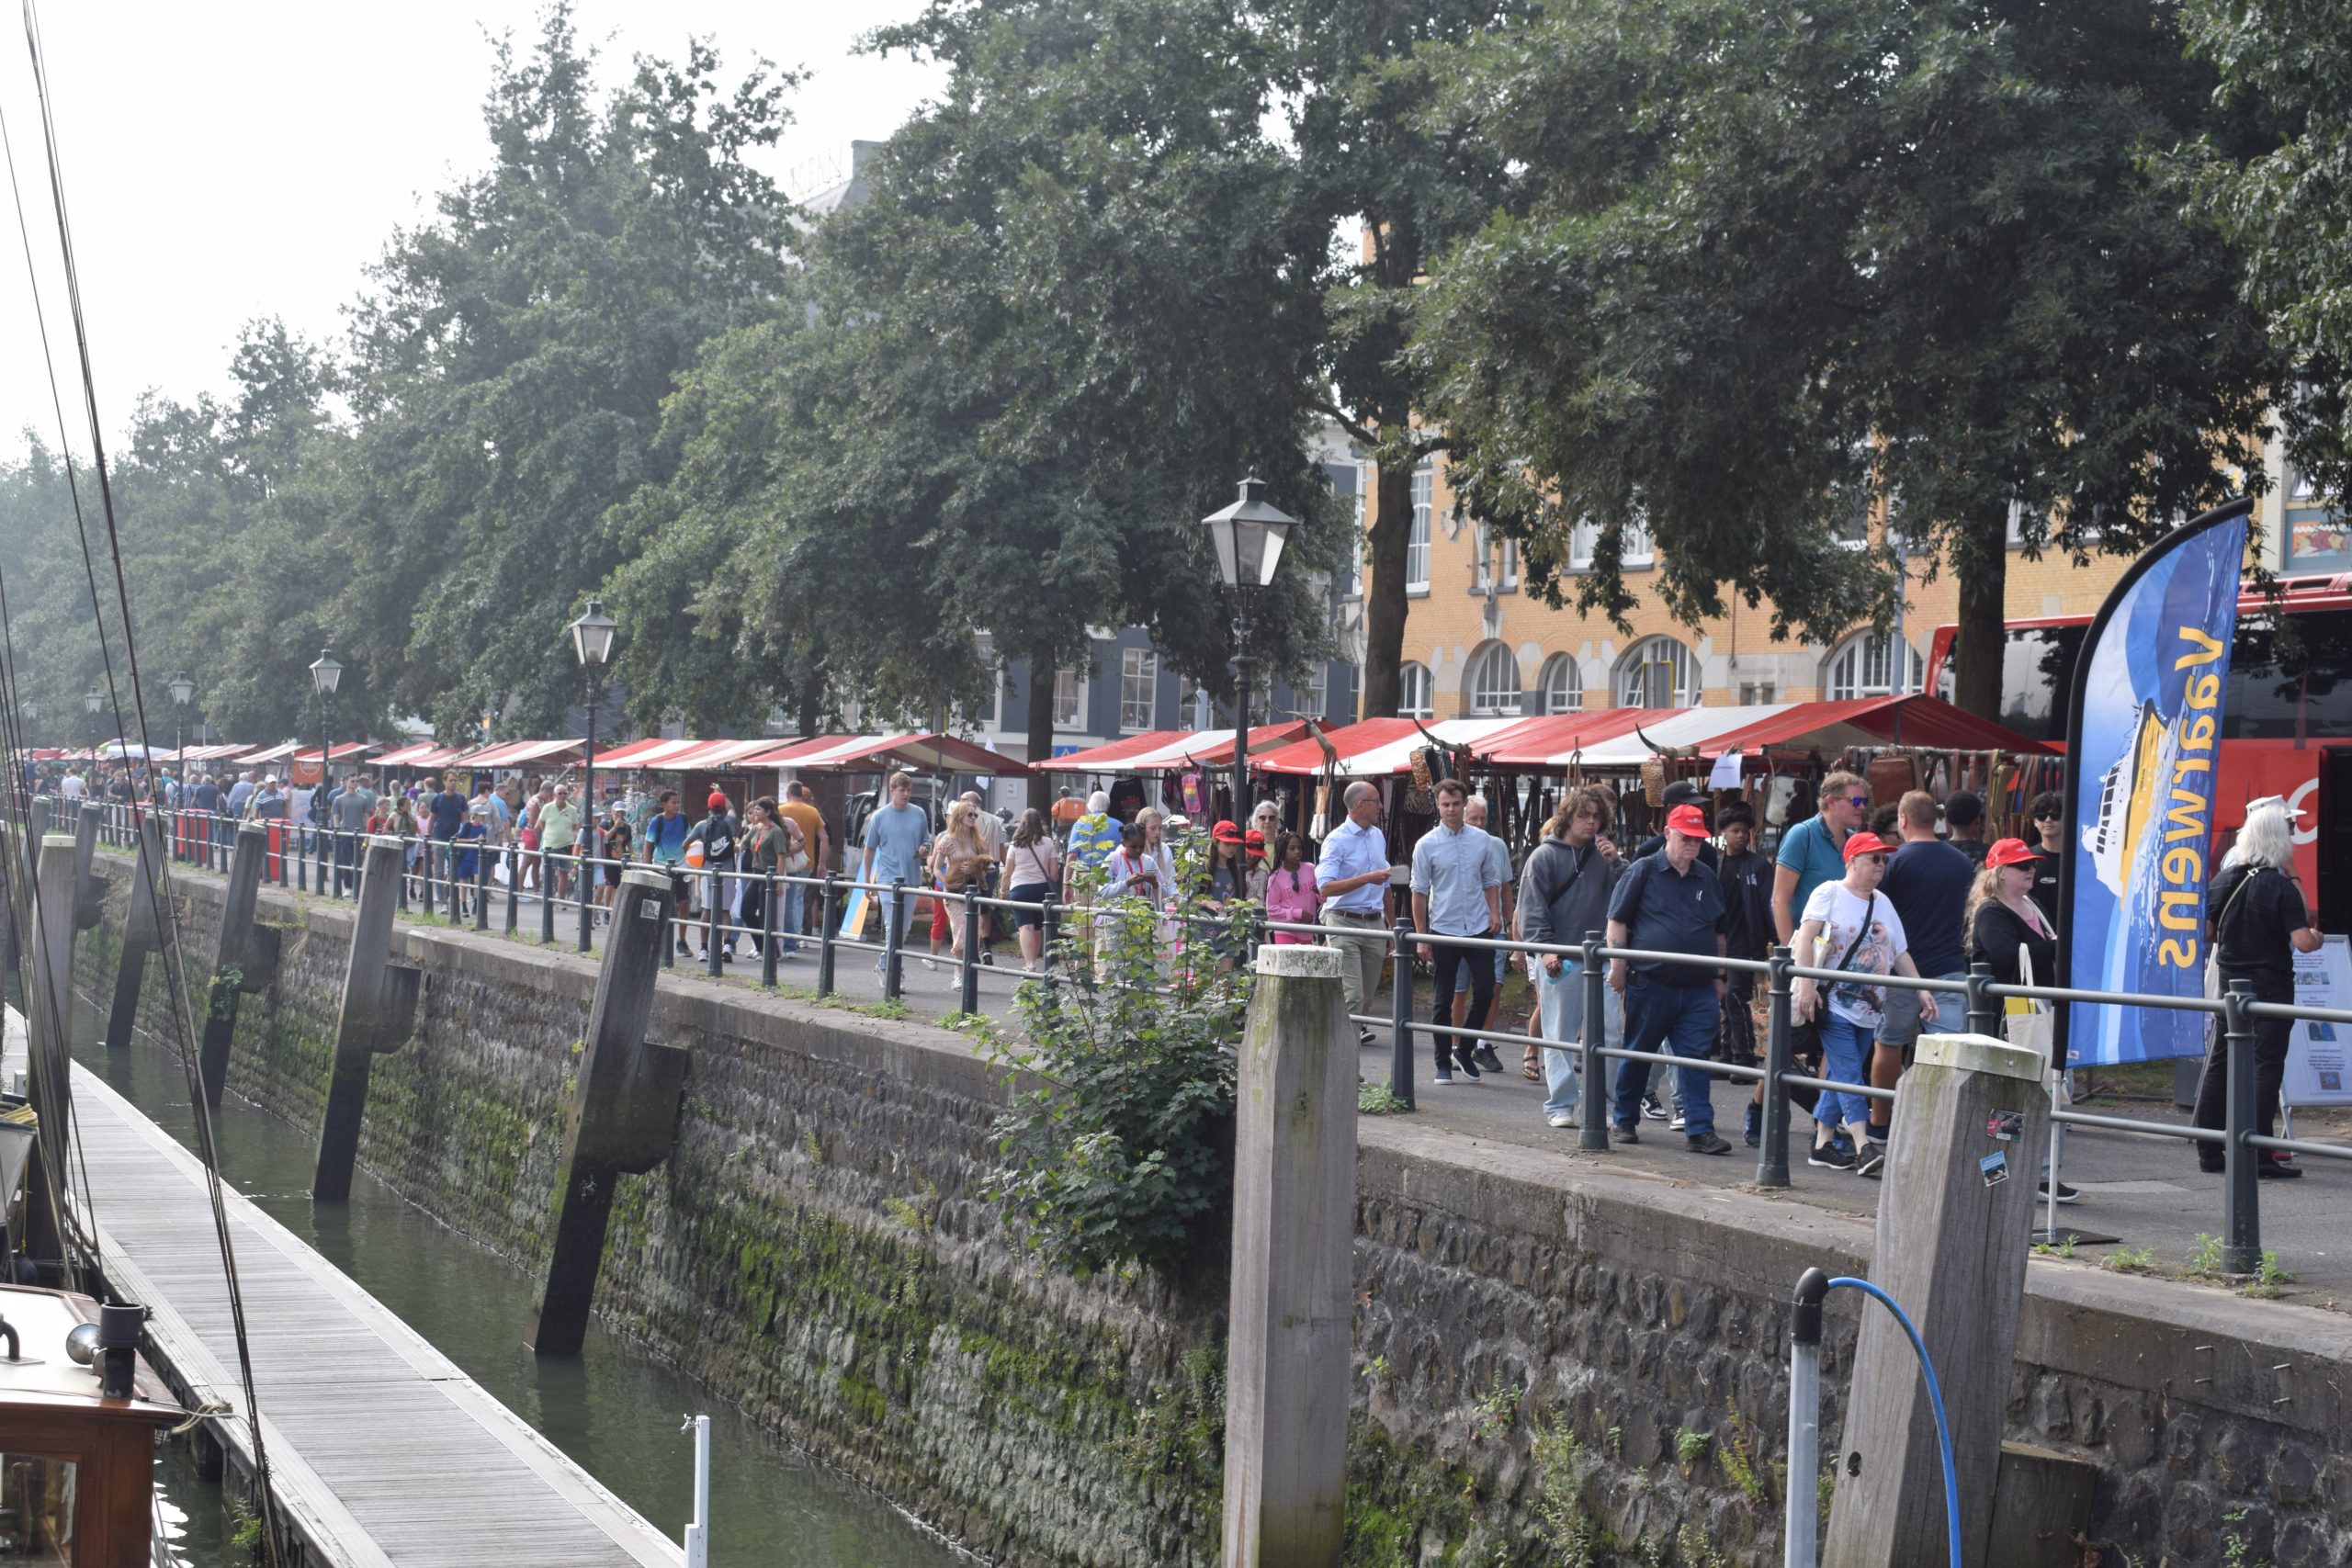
718	834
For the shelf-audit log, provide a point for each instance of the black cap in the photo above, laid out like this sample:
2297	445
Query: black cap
1684	792
1963	807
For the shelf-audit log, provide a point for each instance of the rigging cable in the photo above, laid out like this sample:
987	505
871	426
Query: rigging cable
172	949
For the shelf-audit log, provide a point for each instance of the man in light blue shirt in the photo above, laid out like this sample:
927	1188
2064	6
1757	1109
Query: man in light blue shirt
1352	876
895	839
1457	893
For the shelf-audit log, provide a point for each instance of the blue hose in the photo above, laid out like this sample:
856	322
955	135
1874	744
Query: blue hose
1935	1398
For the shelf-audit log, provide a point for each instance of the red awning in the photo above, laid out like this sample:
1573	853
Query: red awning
1537	741
712	754
1105	758
919	752
417	754
1924	721
649	753
788	753
267	754
1349	739
515	753
343	753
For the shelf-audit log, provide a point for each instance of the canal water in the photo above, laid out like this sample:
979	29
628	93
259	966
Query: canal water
615	1411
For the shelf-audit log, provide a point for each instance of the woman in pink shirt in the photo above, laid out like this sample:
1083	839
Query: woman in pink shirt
1291	896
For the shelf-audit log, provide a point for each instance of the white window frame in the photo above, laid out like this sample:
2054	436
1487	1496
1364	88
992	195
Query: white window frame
1510	566
1314	690
1484	687
1561	685
1482	562
1191	711
1417	533
1759	694
1635	681
1138	666
1640	549
1076	677
1862	665
990	716
1415	690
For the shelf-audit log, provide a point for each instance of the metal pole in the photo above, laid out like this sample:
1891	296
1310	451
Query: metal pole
698	1541
1400	1014
1242	664
769	892
514	888
827	900
2241	1201
1803	1507
894	940
586	871
1983	1010
968	997
1592	1131
588	818
547	895
1772	1156
1048	923
481	887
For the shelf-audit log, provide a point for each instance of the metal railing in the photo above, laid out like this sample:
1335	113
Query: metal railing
436	882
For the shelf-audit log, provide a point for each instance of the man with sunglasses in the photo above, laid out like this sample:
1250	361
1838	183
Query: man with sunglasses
1814	851
2048	815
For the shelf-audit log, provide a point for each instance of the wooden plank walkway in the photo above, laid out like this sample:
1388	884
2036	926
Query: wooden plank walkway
384	1452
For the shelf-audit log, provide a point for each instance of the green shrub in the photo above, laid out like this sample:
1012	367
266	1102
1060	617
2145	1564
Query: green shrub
1123	1071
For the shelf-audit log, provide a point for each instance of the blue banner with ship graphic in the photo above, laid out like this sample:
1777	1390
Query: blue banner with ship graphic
2144	747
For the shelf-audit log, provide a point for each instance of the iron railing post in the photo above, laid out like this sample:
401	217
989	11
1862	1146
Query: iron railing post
1772	1152
585	872
1592	1131
2241	1192
514	889
714	957
770	891
828	898
481	885
968	995
894	939
1401	1013
425	882
1048	928
1983	1008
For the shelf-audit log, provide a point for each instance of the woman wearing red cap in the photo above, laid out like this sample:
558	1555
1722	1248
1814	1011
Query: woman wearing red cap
1229	882
2002	917
1847	927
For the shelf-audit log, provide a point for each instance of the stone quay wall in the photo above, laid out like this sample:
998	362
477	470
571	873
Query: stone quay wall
1555	1362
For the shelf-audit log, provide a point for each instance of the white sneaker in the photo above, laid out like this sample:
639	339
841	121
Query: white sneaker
1562	1119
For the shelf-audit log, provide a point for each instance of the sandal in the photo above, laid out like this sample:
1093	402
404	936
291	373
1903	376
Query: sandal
1529	1067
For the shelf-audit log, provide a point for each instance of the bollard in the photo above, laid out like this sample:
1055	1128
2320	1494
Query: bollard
826	903
585	871
1292	1300
377	1012
141	932
1772	1152
714	919
1592	1104
301	853
89	896
481	885
894	937
47	1072
1400	1014
2240	1190
624	1116
424	883
1801	1523
1983	1008
1959	1196
968	996
243	965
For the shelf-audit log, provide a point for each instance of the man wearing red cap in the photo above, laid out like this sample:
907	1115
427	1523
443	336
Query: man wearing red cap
1668	902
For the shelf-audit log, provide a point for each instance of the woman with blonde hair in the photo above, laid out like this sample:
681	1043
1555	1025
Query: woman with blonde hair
959	857
2257	921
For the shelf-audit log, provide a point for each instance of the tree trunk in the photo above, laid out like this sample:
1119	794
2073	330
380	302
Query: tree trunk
1384	591
812	694
1981	639
1041	707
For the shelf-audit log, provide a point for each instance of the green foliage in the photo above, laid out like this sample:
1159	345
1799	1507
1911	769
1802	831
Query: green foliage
1123	1069
2270	1280
1738	1457
2064	1247
2131	1259
1376	1099
2204	1255
1493	1411
1557	1452
1692	1447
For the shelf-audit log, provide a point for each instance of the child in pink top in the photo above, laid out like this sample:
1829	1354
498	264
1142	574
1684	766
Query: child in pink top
1290	888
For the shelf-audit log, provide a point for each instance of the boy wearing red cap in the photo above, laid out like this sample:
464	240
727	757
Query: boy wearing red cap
1669	902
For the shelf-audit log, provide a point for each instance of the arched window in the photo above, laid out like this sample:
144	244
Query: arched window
1415	693
1563	684
1657	673
1864	666
1493	686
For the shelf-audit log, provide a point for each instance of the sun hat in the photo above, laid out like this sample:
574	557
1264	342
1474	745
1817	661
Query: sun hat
1686	819
2009	851
1866	844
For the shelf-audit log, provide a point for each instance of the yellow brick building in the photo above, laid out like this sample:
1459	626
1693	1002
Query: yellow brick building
1478	644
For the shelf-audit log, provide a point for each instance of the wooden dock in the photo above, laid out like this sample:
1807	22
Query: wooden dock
385	1455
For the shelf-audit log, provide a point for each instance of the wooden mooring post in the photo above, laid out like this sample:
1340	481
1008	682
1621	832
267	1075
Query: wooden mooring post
624	1117
245	963
48	1032
1293	1304
142	931
378	1011
86	908
1969	1122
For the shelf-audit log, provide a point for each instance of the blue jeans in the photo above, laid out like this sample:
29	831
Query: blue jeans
788	922
1560	1004
1678	1020
1845	1045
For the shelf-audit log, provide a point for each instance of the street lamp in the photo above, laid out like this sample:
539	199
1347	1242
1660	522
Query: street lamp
32	717
183	693
91	701
592	639
325	674
1248	536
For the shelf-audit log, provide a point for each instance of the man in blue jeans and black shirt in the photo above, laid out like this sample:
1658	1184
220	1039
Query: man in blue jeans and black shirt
1668	902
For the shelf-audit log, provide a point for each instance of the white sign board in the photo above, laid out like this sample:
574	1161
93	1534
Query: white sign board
2319	1057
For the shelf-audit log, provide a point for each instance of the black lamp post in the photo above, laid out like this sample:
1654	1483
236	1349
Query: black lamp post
325	674
91	701
592	639
183	693
1248	536
32	717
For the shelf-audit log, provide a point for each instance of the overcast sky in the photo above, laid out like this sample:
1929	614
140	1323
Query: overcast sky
228	162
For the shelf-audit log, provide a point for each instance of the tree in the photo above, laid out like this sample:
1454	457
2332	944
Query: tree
512	357
2283	197
1766	265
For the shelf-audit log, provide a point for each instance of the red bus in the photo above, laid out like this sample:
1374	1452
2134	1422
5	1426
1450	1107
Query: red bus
2287	723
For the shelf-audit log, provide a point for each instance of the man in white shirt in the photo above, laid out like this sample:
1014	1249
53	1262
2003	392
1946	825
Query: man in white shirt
1352	877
